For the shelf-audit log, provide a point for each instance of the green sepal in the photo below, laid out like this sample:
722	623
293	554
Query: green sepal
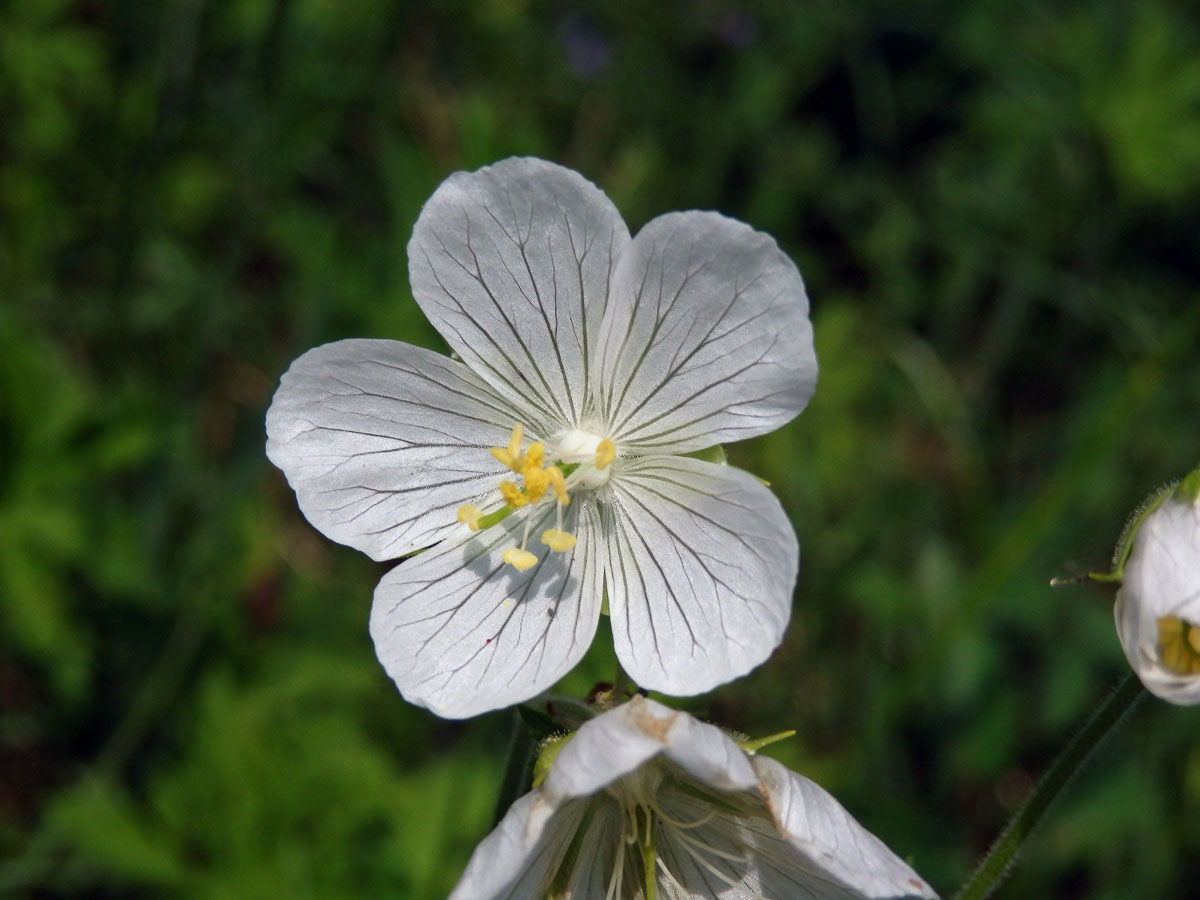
1125	542
716	455
1189	489
550	716
713	454
546	756
518	767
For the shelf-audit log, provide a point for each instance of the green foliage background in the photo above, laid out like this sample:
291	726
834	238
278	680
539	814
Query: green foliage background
996	206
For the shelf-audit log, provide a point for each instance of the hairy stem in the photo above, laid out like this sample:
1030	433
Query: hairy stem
1070	761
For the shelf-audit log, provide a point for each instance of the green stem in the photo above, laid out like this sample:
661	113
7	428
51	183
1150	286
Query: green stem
518	769
1070	761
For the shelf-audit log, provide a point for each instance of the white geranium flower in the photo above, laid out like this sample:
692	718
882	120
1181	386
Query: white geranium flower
646	802
549	465
1158	604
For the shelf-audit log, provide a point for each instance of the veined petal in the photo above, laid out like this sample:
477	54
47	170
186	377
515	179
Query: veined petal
738	851
731	853
702	562
521	856
706	338
512	265
590	872
833	848
462	632
383	441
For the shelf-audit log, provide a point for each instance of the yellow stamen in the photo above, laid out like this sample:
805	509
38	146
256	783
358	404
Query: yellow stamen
511	455
1179	643
536	482
519	559
469	515
512	495
558	541
559	484
537	478
606	452
533	456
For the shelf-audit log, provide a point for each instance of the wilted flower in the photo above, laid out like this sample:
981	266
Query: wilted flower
644	801
1158	604
549	469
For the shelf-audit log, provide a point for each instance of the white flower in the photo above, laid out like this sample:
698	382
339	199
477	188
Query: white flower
643	791
546	470
1158	605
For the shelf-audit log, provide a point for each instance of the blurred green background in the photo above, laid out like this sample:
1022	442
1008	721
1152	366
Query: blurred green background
996	206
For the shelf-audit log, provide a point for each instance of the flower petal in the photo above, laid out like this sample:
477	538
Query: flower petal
609	746
462	632
736	850
591	871
1161	578
383	441
725	853
512	265
833	849
521	856
706	338
701	567
619	741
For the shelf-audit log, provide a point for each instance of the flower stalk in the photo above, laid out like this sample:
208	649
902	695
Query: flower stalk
1071	760
518	765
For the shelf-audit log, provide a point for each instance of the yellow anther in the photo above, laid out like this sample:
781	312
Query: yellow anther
511	455
536	482
515	439
559	484
606	452
469	515
1180	645
519	559
533	457
558	541
512	495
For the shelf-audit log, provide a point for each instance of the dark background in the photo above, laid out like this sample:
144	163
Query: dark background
995	207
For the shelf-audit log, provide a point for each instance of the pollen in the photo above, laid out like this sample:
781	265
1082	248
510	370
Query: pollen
537	480
1179	643
519	559
533	456
606	452
512	495
558	541
470	515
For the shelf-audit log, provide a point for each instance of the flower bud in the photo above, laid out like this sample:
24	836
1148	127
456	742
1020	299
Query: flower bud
1158	605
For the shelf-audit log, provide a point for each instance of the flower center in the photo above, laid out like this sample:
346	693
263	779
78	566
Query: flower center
643	820
1179	645
574	460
